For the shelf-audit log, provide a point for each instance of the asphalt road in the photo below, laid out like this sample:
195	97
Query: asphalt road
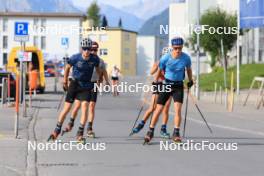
125	155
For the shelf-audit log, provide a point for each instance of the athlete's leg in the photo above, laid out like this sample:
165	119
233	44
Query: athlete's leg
74	113
84	109
76	107
151	108
165	112
177	117
66	109
165	117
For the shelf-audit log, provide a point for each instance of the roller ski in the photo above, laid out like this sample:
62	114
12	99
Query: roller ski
55	133
90	134
148	137
137	129
68	128
53	136
176	138
79	138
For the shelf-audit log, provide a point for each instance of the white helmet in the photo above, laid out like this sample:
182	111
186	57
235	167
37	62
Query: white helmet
166	50
86	42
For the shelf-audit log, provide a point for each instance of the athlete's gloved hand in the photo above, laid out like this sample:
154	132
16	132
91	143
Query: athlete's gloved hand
65	86
190	84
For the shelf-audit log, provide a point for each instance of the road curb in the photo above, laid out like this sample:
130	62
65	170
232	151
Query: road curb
31	169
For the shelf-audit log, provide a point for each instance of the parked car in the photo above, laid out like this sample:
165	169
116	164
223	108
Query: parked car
4	74
49	70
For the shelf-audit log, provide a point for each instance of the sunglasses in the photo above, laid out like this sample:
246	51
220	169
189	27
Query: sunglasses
94	49
177	48
86	48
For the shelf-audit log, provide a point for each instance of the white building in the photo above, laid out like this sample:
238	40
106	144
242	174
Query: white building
46	31
182	18
149	50
252	50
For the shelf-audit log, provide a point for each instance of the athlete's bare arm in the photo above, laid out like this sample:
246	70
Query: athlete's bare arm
98	70
66	75
105	75
154	68
189	73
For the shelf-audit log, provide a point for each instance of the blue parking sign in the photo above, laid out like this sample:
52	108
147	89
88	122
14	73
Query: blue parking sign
21	28
21	32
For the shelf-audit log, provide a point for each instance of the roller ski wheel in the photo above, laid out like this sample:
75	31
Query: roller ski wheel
67	129
148	137
177	139
81	140
53	136
90	134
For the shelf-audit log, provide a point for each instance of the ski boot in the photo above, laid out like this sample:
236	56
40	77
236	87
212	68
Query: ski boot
176	136
79	137
68	128
55	134
164	134
138	128
148	137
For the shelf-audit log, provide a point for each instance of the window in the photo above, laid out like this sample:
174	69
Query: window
43	42
92	37
126	51
5	25
43	25
35	41
103	52
5	42
4	58
35	22
127	36
103	38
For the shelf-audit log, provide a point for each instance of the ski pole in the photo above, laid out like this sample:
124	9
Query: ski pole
61	100
197	107
137	119
186	110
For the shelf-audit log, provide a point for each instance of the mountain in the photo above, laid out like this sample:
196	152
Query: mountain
64	6
152	25
113	14
129	21
145	9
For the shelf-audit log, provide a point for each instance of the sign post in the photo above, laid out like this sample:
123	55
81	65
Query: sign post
22	36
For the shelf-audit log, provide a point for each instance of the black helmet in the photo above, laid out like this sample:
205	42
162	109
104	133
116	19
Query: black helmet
86	42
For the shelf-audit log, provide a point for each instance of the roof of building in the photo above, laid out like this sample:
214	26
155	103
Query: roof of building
37	14
118	29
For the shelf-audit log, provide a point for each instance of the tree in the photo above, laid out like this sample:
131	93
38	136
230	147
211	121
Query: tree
93	12
120	23
104	22
211	42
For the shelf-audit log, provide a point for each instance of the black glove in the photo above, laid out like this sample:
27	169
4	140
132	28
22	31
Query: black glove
65	87
190	84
